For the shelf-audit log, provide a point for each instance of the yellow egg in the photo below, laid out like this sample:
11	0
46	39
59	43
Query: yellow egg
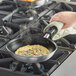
32	50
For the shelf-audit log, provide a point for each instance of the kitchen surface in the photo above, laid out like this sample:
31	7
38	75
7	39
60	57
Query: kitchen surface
25	22
73	0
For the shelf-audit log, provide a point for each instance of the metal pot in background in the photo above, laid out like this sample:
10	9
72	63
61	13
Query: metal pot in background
35	4
40	3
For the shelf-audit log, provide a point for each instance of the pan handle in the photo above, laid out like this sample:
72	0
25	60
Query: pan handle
52	29
65	41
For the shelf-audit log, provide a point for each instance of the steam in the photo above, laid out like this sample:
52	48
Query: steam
28	31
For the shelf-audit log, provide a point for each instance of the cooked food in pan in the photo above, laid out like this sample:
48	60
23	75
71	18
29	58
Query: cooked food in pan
32	50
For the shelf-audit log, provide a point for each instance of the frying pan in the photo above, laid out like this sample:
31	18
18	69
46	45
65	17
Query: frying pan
13	45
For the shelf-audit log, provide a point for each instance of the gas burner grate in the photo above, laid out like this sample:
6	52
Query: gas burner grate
41	69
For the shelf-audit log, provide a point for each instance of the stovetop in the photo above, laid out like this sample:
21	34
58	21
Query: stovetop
9	66
14	27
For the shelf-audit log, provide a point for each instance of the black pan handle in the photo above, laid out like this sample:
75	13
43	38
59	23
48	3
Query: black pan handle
50	32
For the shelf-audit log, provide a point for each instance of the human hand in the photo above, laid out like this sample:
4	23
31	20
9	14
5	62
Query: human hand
67	17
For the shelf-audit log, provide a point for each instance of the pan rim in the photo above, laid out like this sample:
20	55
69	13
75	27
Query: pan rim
56	47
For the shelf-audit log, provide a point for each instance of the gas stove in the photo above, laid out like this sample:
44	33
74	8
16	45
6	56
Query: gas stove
46	68
14	26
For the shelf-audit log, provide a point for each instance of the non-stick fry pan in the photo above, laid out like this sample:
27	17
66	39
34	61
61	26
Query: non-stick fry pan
13	45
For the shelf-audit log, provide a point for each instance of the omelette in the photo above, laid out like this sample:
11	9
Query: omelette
32	50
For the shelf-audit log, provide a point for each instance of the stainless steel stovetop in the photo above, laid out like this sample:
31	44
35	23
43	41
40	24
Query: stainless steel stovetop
61	64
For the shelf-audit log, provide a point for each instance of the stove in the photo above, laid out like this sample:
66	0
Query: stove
16	22
46	68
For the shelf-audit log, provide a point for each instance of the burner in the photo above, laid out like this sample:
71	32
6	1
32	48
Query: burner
28	68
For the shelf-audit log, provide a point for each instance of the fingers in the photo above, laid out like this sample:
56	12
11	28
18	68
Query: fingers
54	19
57	17
68	25
65	26
60	20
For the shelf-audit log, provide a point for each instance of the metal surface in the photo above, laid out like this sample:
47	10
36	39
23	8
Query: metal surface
66	42
68	68
73	2
6	18
17	43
